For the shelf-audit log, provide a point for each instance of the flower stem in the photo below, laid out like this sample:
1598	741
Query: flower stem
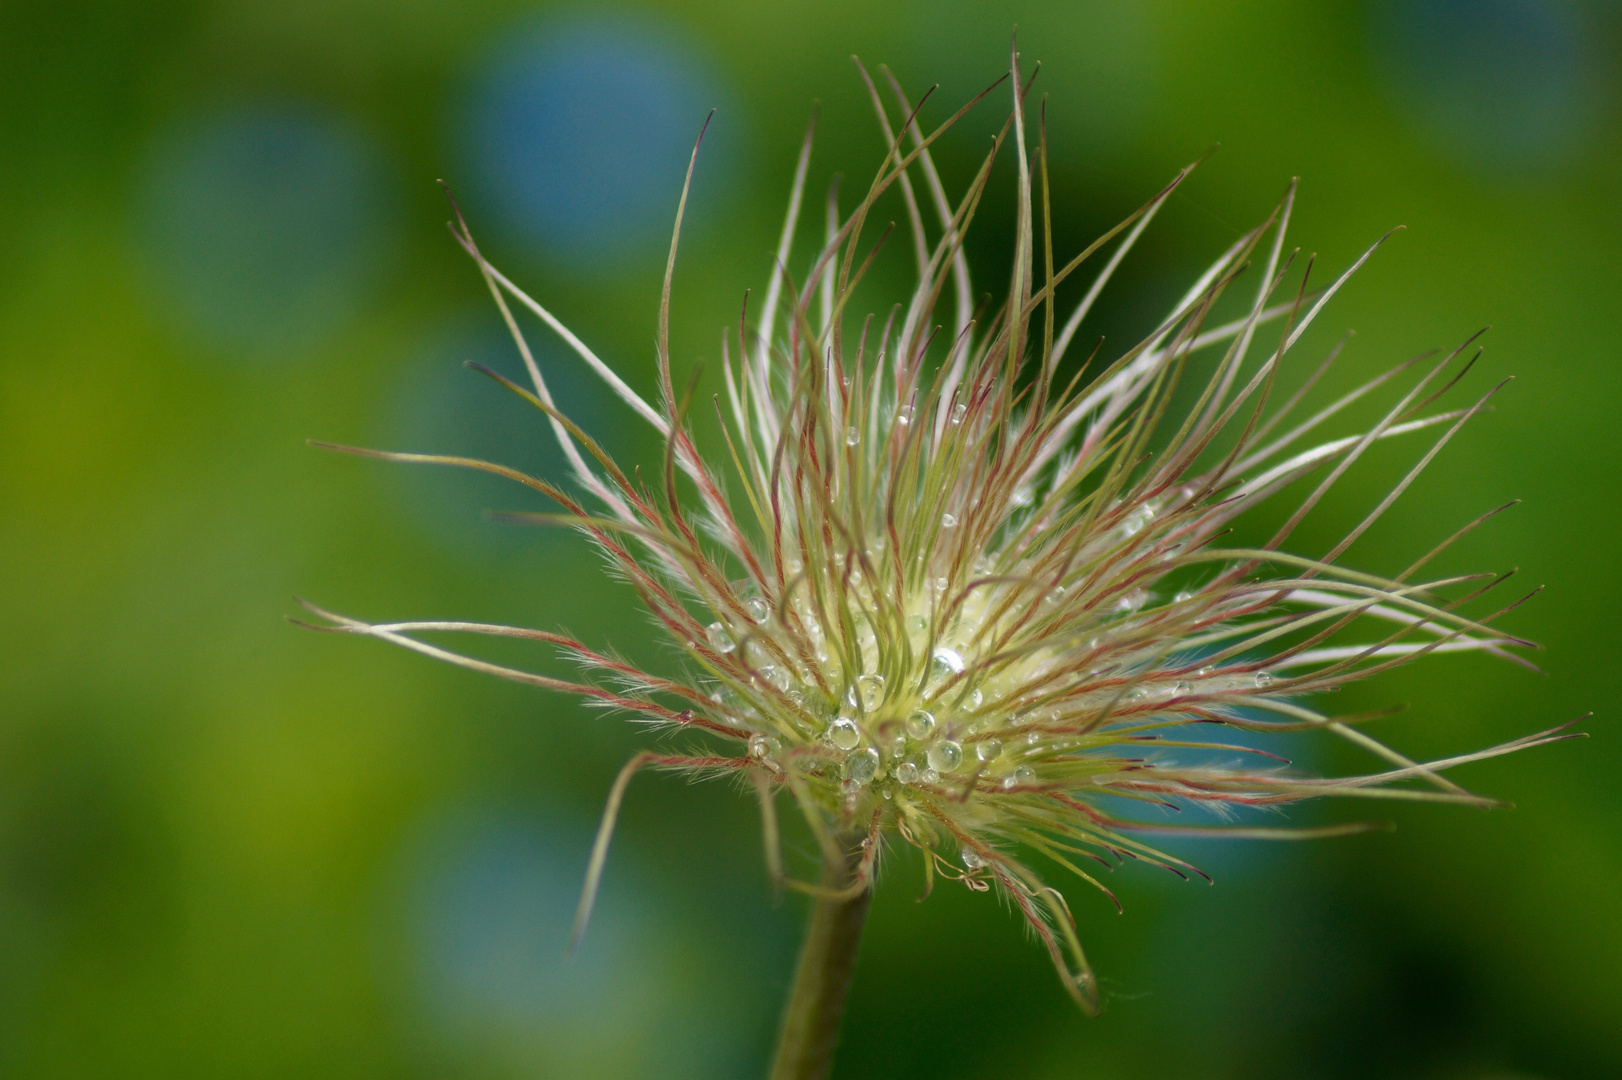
810	1031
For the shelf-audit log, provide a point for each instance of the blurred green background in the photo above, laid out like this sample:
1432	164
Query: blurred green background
232	848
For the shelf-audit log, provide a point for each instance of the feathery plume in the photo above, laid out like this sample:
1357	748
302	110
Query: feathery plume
938	594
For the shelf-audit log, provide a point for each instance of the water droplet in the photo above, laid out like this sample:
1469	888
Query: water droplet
1202	673
756	654
1132	601
1022	495
921	723
1021	776
776	676
988	749
917	624
930	776
1183	688
1137	693
1032	738
959	411
941	583
1055	596
971	859
862	766
1263	679
944	662
1136	520
975	698
903	415
945	756
887	792
719	639
948	521
1183	597
844	733
870	688
852	436
764	746
907	772
757	608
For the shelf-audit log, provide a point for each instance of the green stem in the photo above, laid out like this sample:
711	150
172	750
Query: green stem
805	1045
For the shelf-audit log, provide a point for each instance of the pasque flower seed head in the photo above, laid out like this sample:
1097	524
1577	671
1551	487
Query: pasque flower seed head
944	586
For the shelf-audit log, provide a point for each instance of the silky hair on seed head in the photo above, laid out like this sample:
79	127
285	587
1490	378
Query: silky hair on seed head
942	585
